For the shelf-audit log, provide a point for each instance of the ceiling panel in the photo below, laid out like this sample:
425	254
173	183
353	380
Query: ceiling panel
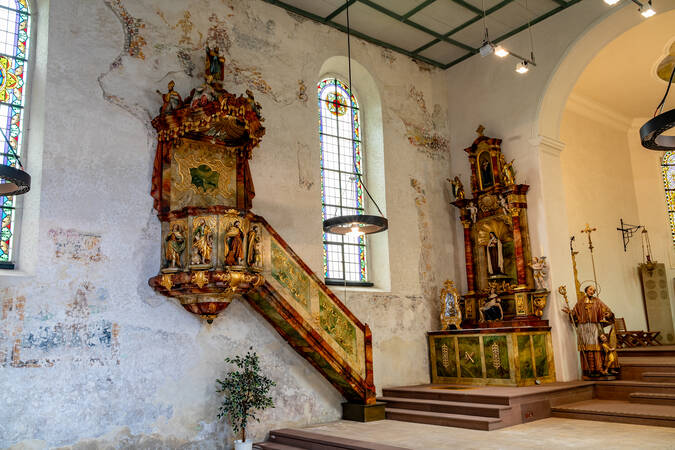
474	33
443	52
319	8
433	18
400	7
442	16
382	27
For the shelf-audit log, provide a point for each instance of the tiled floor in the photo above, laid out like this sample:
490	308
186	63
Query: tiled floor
550	434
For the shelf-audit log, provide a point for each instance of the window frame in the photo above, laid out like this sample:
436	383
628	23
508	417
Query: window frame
355	141
27	62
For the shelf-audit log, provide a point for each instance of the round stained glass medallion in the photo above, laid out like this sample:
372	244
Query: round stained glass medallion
337	104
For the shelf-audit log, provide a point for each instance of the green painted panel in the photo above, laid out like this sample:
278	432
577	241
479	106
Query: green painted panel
496	357
525	356
292	277
469	357
446	361
334	321
540	355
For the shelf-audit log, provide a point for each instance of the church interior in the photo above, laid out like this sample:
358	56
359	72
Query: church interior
353	224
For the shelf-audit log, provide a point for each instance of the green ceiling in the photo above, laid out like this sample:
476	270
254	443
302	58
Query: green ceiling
418	31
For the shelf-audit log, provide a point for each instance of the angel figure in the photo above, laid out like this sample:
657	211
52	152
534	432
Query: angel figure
457	188
539	271
171	100
473	210
610	355
234	244
254	258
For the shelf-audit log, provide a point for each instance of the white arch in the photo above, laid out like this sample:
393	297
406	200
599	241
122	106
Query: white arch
578	56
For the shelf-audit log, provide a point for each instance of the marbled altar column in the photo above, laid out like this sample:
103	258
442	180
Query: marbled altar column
468	254
518	244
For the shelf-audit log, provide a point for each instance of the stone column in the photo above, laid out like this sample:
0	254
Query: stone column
468	255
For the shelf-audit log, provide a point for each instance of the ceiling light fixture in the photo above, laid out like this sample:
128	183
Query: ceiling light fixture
611	2
501	52
647	11
522	68
651	133
359	224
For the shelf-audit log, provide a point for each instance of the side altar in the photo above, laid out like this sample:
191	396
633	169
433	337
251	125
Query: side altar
497	335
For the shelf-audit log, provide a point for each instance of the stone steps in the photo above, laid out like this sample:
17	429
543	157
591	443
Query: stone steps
667	377
618	411
447	407
657	350
449	395
444	419
621	389
287	439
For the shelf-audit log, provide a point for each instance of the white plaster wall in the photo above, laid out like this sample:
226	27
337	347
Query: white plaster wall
101	357
599	190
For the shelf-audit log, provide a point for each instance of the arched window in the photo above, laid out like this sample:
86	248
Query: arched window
14	34
342	193
668	170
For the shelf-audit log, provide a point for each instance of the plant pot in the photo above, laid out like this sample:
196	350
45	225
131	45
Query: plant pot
246	445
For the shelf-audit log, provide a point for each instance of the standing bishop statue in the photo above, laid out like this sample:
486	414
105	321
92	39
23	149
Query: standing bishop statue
591	315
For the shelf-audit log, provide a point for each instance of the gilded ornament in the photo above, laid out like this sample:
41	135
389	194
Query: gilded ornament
451	315
200	278
166	282
488	203
290	276
445	357
337	325
496	357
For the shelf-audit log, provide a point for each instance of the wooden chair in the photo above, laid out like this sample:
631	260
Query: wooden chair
626	339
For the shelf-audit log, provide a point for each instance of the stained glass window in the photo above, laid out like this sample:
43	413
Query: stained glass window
14	26
668	171
344	257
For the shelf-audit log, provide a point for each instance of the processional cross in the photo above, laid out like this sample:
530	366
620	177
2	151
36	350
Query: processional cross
588	230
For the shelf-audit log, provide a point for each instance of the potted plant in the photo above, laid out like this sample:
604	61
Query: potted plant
245	390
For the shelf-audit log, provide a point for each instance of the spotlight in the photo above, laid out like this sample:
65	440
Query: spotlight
611	2
522	68
501	52
647	11
486	49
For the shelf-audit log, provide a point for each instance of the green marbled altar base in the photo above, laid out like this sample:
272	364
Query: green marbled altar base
506	357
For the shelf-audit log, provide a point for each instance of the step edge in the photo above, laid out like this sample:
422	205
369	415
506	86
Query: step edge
445	415
319	438
613	414
444	403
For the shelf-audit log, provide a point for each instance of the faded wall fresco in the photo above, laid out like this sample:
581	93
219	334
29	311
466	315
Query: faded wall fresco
89	354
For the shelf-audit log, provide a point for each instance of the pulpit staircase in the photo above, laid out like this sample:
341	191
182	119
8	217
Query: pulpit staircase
314	321
644	394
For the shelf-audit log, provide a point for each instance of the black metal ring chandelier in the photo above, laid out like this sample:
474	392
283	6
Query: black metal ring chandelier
13	181
651	133
355	224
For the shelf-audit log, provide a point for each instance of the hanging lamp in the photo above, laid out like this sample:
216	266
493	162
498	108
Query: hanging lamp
651	133
13	181
357	224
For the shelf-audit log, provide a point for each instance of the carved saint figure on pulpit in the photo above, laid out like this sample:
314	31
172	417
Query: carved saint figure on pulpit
175	244
254	258
202	243
590	315
495	255
234	244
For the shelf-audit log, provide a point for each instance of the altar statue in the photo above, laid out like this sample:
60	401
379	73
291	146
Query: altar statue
171	101
492	309
495	255
457	188
591	316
